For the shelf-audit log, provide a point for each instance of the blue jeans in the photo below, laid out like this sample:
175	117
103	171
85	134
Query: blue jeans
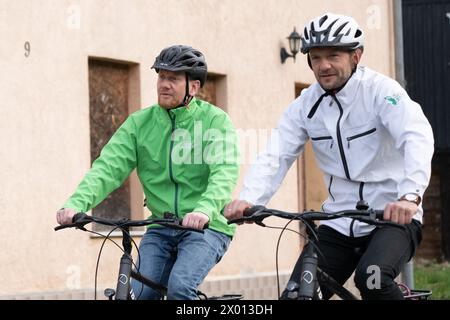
177	259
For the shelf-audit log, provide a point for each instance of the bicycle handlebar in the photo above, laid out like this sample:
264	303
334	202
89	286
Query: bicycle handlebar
81	219
258	213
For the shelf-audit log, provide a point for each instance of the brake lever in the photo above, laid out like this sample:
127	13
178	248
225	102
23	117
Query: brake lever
65	226
238	220
380	223
257	217
76	225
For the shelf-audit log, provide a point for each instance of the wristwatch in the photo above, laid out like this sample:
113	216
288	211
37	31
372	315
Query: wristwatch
411	197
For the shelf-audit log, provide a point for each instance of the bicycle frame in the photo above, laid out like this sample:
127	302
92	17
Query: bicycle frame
123	288
307	278
126	272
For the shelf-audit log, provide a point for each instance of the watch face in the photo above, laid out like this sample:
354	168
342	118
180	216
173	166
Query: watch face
412	197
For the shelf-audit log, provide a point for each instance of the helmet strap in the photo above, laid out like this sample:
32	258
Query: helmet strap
187	97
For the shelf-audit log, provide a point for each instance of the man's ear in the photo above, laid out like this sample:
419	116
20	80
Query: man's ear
356	56
194	87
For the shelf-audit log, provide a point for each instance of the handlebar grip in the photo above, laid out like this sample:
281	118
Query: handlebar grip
76	222
251	210
253	214
170	215
179	225
379	214
78	216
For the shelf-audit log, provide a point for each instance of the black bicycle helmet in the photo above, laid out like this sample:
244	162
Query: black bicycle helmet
183	58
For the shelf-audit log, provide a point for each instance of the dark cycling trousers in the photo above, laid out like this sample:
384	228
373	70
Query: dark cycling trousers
377	258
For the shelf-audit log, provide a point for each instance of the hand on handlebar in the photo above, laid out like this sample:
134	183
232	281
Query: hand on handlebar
235	209
195	220
65	215
400	212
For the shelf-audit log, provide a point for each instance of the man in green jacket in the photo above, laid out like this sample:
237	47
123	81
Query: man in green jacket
185	153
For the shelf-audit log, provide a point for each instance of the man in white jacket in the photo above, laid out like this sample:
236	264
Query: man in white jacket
371	141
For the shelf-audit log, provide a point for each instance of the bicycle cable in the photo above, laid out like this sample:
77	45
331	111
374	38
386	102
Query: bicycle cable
98	260
278	246
105	238
305	237
276	256
137	250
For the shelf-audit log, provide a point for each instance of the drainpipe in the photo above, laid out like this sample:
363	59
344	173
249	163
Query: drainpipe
407	274
398	40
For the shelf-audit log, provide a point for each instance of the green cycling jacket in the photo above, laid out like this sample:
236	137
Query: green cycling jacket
186	159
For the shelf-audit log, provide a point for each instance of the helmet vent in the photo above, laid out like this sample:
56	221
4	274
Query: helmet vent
338	30
322	20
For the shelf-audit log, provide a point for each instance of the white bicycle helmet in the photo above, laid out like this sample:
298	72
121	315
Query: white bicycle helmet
332	30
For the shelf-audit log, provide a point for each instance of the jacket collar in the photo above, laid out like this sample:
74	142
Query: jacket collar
347	94
182	113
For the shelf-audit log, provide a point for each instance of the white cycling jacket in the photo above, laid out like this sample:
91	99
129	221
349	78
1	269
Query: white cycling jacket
371	141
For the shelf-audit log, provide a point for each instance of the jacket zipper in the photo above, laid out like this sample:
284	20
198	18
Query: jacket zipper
329	188
339	138
324	138
361	187
352	234
360	135
361	197
170	163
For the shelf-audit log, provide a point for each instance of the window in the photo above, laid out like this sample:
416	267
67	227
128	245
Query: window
214	91
113	95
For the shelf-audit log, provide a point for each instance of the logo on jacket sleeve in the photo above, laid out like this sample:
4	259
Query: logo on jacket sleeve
394	99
